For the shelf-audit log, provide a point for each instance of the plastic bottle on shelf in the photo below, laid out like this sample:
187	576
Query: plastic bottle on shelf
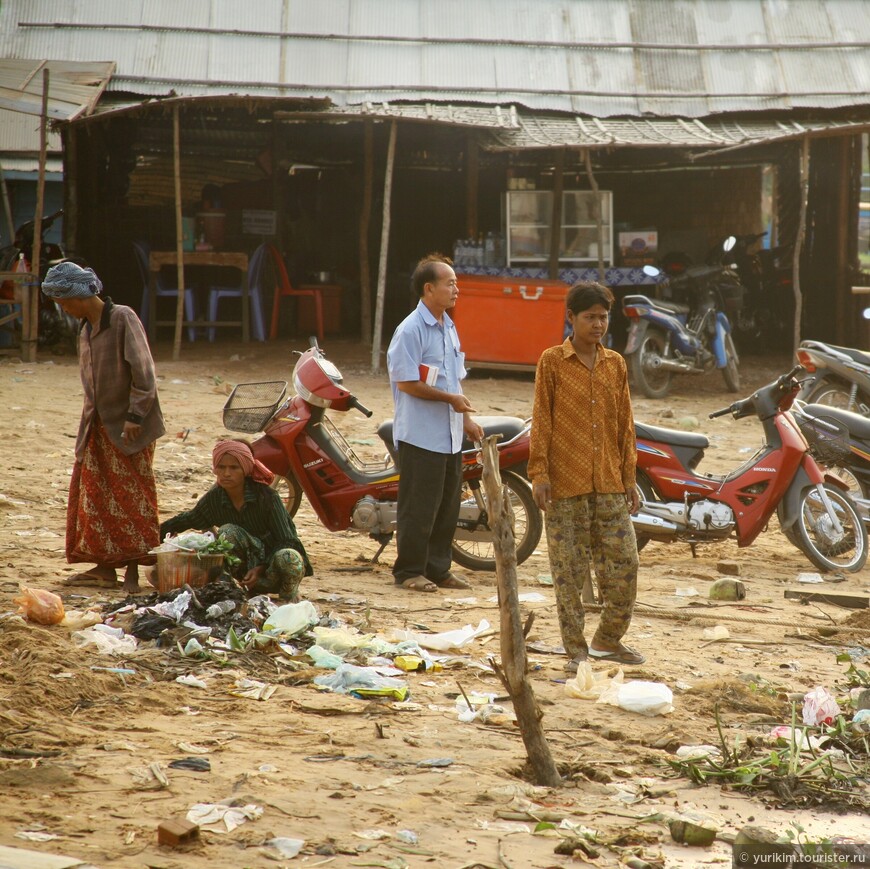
489	250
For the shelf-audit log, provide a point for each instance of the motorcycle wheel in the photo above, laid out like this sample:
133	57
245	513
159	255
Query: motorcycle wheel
646	493
528	526
835	393
290	492
730	372
653	383
817	539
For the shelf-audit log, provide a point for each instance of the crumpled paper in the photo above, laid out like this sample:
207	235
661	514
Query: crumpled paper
220	818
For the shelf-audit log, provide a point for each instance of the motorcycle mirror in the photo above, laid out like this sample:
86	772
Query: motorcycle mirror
651	271
729	243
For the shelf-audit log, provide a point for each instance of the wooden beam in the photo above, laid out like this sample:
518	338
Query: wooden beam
799	240
179	235
472	182
599	219
385	242
365	217
556	214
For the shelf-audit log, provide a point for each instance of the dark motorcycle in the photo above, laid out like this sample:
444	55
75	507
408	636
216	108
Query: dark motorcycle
840	440
670	337
839	376
765	319
55	326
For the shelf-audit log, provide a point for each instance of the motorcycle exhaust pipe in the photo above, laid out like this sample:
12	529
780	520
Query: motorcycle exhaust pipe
673	365
654	526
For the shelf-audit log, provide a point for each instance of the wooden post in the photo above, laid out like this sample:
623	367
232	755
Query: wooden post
556	214
7	208
599	223
802	226
382	265
472	181
365	279
71	188
514	666
179	235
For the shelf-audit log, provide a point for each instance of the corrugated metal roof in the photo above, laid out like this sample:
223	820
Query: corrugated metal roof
73	86
604	58
512	129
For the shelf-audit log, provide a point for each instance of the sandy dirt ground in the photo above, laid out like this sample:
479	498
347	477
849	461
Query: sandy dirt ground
85	752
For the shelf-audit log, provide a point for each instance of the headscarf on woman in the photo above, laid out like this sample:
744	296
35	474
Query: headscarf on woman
241	452
67	280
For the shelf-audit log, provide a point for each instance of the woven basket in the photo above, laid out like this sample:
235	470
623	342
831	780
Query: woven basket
175	569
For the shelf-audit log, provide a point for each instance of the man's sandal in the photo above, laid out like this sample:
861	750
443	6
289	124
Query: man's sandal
418	583
573	665
452	581
622	655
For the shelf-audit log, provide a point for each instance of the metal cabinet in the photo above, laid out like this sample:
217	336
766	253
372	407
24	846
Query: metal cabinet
529	230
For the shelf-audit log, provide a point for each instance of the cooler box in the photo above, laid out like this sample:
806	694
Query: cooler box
508	321
306	321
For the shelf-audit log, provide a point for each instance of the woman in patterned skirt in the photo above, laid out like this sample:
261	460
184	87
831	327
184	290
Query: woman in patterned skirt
112	507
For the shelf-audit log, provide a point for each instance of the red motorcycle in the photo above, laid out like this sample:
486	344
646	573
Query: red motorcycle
679	504
309	456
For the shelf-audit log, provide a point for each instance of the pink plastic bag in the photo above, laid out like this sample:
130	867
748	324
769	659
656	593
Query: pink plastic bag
38	605
820	707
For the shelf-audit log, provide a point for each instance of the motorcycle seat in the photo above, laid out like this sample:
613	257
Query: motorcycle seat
670	436
662	304
506	426
857	424
858	356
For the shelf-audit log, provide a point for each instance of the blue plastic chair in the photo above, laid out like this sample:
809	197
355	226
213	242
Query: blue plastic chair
142	255
255	294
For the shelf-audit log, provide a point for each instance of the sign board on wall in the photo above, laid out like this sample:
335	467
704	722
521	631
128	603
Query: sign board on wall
258	221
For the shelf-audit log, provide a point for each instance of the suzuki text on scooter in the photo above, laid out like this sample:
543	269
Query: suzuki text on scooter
667	338
309	455
839	376
815	512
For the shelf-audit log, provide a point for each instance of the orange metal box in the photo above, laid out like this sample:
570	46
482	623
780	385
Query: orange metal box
507	321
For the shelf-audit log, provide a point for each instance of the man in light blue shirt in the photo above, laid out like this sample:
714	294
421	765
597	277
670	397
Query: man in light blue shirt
426	366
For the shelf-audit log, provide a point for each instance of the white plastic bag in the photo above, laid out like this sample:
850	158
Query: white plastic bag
647	698
820	707
292	618
589	684
446	640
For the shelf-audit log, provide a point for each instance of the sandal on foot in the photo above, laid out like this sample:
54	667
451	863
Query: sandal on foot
89	577
575	662
452	581
622	655
418	583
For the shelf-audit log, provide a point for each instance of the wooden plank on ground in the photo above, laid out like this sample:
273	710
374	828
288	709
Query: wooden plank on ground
849	601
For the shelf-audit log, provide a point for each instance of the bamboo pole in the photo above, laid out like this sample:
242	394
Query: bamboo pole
514	665
7	208
365	277
472	182
179	234
798	244
385	241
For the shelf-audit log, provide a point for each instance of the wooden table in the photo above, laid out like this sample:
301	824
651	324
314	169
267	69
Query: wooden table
160	258
26	295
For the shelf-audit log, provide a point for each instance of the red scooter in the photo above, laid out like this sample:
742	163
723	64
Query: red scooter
309	455
679	504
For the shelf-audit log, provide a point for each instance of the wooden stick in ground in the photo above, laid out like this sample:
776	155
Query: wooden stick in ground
179	234
513	646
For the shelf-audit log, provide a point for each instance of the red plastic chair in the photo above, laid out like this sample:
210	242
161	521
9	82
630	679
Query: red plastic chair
285	288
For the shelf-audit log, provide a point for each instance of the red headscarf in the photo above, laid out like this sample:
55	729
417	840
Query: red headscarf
254	469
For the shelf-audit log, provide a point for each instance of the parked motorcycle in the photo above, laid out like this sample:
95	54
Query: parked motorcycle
309	456
765	319
668	337
840	440
840	376
815	511
55	326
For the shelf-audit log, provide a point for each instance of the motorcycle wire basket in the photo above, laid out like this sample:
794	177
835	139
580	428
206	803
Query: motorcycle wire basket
251	405
828	440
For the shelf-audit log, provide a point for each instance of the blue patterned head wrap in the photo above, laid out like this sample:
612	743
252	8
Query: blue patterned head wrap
69	281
